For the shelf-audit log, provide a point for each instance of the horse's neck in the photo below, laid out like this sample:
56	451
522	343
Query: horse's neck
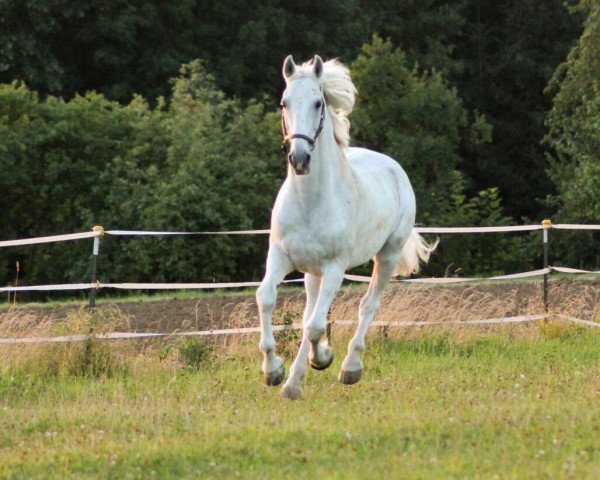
329	170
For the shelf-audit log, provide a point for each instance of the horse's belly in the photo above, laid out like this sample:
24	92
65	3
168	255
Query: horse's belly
369	242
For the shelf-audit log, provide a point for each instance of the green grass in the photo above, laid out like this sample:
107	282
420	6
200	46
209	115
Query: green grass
430	405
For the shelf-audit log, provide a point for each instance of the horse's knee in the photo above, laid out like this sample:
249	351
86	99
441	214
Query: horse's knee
266	296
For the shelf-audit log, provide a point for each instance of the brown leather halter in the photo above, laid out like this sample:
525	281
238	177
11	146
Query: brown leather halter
285	144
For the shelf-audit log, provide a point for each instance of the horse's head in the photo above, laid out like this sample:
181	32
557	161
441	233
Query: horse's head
302	112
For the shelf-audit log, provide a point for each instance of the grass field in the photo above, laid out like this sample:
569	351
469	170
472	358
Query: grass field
514	402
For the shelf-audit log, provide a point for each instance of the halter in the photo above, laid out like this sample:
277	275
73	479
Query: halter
311	141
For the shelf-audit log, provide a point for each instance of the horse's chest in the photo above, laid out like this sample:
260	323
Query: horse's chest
309	246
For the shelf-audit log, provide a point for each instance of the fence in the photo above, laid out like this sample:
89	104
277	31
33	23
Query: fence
94	285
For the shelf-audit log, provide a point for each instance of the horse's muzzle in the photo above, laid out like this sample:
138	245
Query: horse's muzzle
300	163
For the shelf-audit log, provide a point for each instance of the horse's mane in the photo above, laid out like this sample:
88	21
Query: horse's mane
339	94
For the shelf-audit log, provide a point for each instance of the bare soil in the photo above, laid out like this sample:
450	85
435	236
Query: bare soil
400	302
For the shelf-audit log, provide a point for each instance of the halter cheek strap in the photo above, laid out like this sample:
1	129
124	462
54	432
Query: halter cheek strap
311	141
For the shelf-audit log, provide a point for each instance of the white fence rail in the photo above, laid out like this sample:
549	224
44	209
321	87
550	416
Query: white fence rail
98	232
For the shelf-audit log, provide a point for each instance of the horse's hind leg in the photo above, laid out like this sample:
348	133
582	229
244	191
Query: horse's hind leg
385	263
278	266
314	328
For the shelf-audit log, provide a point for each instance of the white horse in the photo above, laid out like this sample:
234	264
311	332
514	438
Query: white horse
338	208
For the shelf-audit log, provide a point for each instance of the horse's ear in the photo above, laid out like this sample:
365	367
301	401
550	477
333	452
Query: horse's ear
289	67
318	66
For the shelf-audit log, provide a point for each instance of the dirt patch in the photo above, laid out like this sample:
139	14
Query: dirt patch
400	302
173	314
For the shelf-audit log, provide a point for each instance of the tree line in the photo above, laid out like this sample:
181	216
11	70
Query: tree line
162	115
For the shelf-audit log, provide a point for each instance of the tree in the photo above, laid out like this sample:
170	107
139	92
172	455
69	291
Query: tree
574	136
508	50
68	166
118	48
574	123
223	168
26	54
200	162
122	48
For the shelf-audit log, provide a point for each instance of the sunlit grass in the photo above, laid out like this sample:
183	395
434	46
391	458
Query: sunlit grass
509	403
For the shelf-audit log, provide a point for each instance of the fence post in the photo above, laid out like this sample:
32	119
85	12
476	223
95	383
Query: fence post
547	224
95	251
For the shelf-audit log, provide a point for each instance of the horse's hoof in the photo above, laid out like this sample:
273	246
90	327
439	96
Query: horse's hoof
349	377
275	377
291	391
326	364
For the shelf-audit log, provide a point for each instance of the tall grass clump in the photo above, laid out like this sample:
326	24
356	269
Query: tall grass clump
89	356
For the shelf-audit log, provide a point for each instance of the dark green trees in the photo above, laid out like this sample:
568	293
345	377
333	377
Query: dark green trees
201	162
452	89
574	124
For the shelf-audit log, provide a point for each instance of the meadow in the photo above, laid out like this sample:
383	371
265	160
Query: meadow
451	402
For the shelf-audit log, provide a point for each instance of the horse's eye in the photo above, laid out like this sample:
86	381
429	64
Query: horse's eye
318	104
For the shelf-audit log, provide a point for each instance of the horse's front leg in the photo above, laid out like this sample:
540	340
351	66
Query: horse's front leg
314	329
321	354
278	266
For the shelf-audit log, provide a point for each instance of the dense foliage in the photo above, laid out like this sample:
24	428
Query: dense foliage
94	132
574	123
181	166
574	135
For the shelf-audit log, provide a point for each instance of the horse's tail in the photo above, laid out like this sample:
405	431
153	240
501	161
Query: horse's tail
415	251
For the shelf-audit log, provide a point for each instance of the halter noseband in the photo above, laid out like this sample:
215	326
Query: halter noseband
311	141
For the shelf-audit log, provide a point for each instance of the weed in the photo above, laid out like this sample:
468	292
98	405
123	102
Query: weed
558	328
288	340
194	352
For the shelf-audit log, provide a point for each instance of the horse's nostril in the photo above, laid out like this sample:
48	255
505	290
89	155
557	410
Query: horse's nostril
292	160
307	159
